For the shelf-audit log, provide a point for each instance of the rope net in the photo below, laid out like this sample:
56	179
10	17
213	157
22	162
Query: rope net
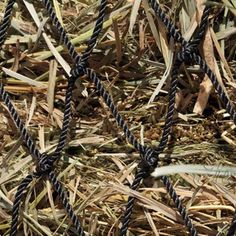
149	155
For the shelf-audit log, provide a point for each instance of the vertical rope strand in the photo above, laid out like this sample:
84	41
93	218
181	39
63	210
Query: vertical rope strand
131	200
66	119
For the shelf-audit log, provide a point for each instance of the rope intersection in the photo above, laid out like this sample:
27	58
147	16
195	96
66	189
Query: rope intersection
149	156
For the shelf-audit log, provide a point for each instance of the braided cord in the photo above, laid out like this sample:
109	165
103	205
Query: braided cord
182	210
79	66
61	30
136	144
141	173
66	119
96	32
45	161
6	21
19	124
16	205
58	187
152	157
67	42
170	27
232	227
171	107
149	156
202	28
177	36
130	204
227	104
120	121
163	142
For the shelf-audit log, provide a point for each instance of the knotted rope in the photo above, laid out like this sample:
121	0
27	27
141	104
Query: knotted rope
149	156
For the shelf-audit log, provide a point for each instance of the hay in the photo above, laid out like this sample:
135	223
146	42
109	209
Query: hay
98	164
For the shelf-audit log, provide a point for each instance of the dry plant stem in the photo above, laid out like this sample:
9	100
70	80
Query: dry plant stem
208	53
160	216
195	169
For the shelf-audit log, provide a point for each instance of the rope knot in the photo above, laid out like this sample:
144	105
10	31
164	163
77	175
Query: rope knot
44	164
186	52
78	70
149	160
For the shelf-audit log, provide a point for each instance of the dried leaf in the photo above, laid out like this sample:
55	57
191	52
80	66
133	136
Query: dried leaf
133	15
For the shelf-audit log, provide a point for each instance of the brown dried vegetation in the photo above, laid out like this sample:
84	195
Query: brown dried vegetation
133	58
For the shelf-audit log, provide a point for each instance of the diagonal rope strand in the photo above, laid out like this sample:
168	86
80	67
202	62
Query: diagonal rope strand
58	187
16	205
19	124
149	156
227	104
96	32
6	21
61	30
45	162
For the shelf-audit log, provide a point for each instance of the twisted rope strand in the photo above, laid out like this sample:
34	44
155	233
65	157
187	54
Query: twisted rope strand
232	227
227	104
96	32
152	161
178	37
168	124
19	124
131	200
182	210
66	119
174	32
149	156
45	161
61	30
171	107
26	137
67	42
6	21
16	205
120	121
58	187
203	25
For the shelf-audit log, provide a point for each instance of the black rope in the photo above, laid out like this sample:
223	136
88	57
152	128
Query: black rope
58	187
6	21
97	29
16	205
232	227
61	30
130	204
66	119
149	156
185	55
44	161
178	37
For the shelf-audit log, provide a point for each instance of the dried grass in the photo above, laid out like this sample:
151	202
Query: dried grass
133	58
